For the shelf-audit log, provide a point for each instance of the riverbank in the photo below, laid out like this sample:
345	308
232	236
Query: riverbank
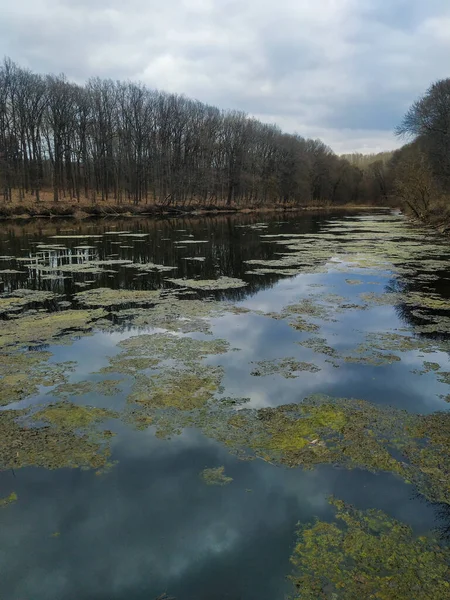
101	210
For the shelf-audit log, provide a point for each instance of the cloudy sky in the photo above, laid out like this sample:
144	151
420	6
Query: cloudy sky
341	70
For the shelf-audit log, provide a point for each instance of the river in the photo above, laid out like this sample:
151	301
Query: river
186	402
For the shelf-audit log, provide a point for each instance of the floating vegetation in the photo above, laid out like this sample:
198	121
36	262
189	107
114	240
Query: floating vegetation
134	235
50	446
215	476
107	297
106	387
366	354
20	299
148	267
284	272
192	242
10	271
354	281
320	346
23	373
165	346
8	500
184	383
72	416
45	328
175	388
367	554
195	258
223	283
286	367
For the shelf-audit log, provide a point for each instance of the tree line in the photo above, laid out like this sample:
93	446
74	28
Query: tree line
123	142
417	176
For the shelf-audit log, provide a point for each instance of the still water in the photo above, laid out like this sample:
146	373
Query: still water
305	309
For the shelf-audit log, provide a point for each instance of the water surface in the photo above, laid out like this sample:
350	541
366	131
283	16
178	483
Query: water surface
141	520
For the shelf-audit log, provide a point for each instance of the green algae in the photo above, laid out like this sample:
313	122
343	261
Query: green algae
215	476
301	325
286	367
149	267
367	554
8	500
444	377
51	447
223	283
354	281
320	346
166	346
365	354
65	415
106	387
20	299
23	373
283	272
46	328
107	297
180	389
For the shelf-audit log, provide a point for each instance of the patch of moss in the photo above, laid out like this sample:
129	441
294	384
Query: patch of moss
150	267
367	554
222	283
45	328
8	500
22	373
215	476
319	345
20	299
286	367
107	297
22	445
106	387
183	390
72	416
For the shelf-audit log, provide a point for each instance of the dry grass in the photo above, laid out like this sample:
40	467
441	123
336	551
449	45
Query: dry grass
25	206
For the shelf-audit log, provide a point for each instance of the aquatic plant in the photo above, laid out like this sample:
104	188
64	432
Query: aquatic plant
215	476
367	554
222	283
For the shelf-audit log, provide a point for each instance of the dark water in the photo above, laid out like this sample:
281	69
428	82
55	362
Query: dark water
151	525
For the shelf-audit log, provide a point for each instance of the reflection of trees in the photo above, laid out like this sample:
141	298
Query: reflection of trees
417	316
232	239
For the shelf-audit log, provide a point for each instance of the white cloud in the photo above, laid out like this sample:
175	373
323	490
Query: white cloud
342	70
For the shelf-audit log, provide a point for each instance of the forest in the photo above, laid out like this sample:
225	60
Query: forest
125	145
122	143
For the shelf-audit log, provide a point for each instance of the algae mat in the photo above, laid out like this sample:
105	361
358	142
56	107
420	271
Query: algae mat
186	398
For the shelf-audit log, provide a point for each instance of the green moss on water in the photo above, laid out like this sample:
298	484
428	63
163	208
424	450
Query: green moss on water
184	390
24	444
215	476
23	373
69	416
45	328
106	387
286	367
320	346
367	554
107	297
150	267
20	299
222	283
354	281
8	500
